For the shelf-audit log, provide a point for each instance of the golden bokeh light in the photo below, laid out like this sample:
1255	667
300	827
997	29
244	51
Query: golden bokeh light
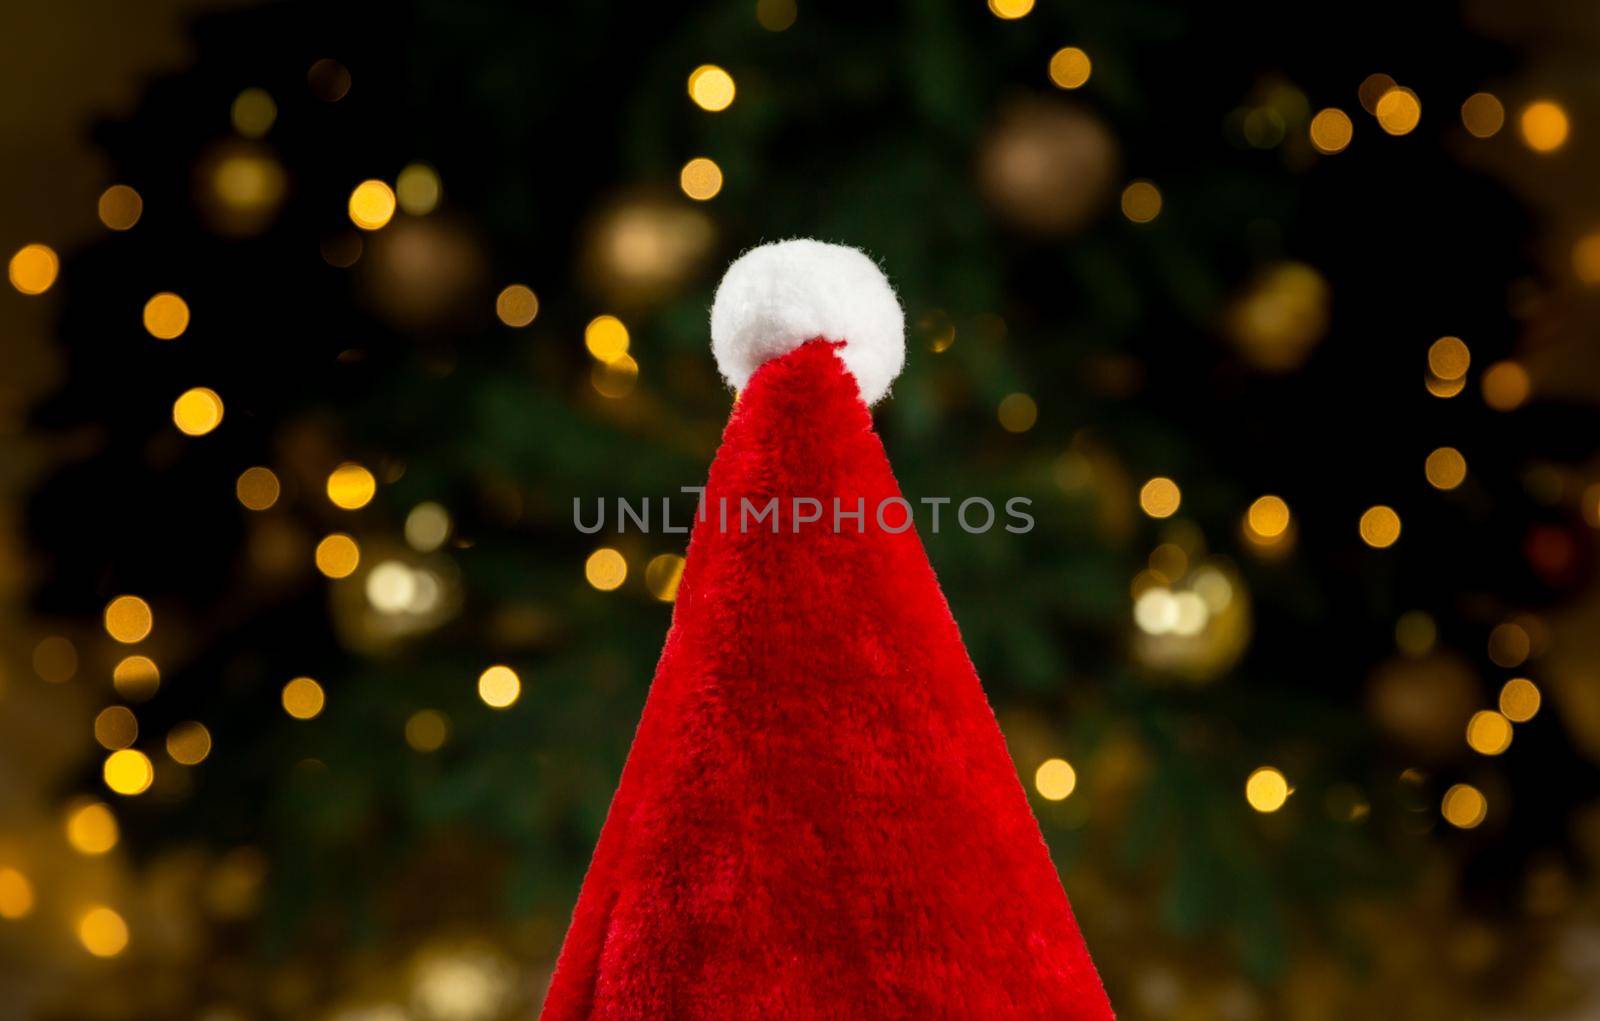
1506	386
1017	413
1483	115
1445	468
34	268
1010	10
329	80
1266	789
136	678
427	730
711	88
120	207
499	687
1488	732
103	932
1520	700
776	15
516	305
1398	111
606	338
253	112
1380	527
1415	633
615	379
55	659
1331	131
427	527
1464	806
1055	779
1160	497
606	569
1267	519
700	178
166	316
257	488
16	894
372	204
1449	358
418	190
1544	125
338	556
351	486
1586	259
128	772
1444	389
1372	88
128	619
1070	68
91	827
197	411
1141	202
1510	645
115	727
189	743
662	574
303	698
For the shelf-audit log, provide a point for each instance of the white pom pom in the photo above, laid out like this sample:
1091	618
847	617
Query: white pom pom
776	297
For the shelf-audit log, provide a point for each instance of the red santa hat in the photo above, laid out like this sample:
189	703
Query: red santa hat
818	817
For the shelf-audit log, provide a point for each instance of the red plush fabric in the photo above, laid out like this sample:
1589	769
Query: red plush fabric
819	817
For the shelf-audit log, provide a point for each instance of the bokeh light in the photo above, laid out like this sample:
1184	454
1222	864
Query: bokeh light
1141	201
1055	779
516	305
91	827
427	730
1070	68
128	619
606	569
115	727
606	338
257	488
372	204
1520	700
329	80
103	932
1464	806
1017	413
1331	131
303	698
197	411
338	555
1506	386
1266	789
253	112
1380	526
1398	111
120	207
1160	497
34	268
136	678
55	659
1268	518
1544	125
499	687
1010	10
662	574
351	486
1488	732
128	772
427	527
418	189
189	743
1445	468
711	88
700	178
776	15
1449	358
166	316
1483	115
16	894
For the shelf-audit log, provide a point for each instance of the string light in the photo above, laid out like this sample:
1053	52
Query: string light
1070	68
166	316
34	268
1266	789
253	112
303	698
1380	527
197	411
1445	468
91	828
128	619
128	772
1520	700
189	743
257	488
372	205
499	687
120	207
427	730
711	88
351	486
103	932
417	189
517	305
1017	413
1331	131
700	179
16	895
116	727
136	678
1544	125
1160	497
606	569
338	555
1482	115
1055	779
1464	806
1141	202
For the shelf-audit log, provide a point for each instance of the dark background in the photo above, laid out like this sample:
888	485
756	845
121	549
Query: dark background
1267	333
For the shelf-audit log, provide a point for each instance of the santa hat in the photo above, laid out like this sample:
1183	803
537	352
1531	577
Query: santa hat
819	817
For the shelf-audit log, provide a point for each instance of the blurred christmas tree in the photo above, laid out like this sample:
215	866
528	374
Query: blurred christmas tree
387	288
